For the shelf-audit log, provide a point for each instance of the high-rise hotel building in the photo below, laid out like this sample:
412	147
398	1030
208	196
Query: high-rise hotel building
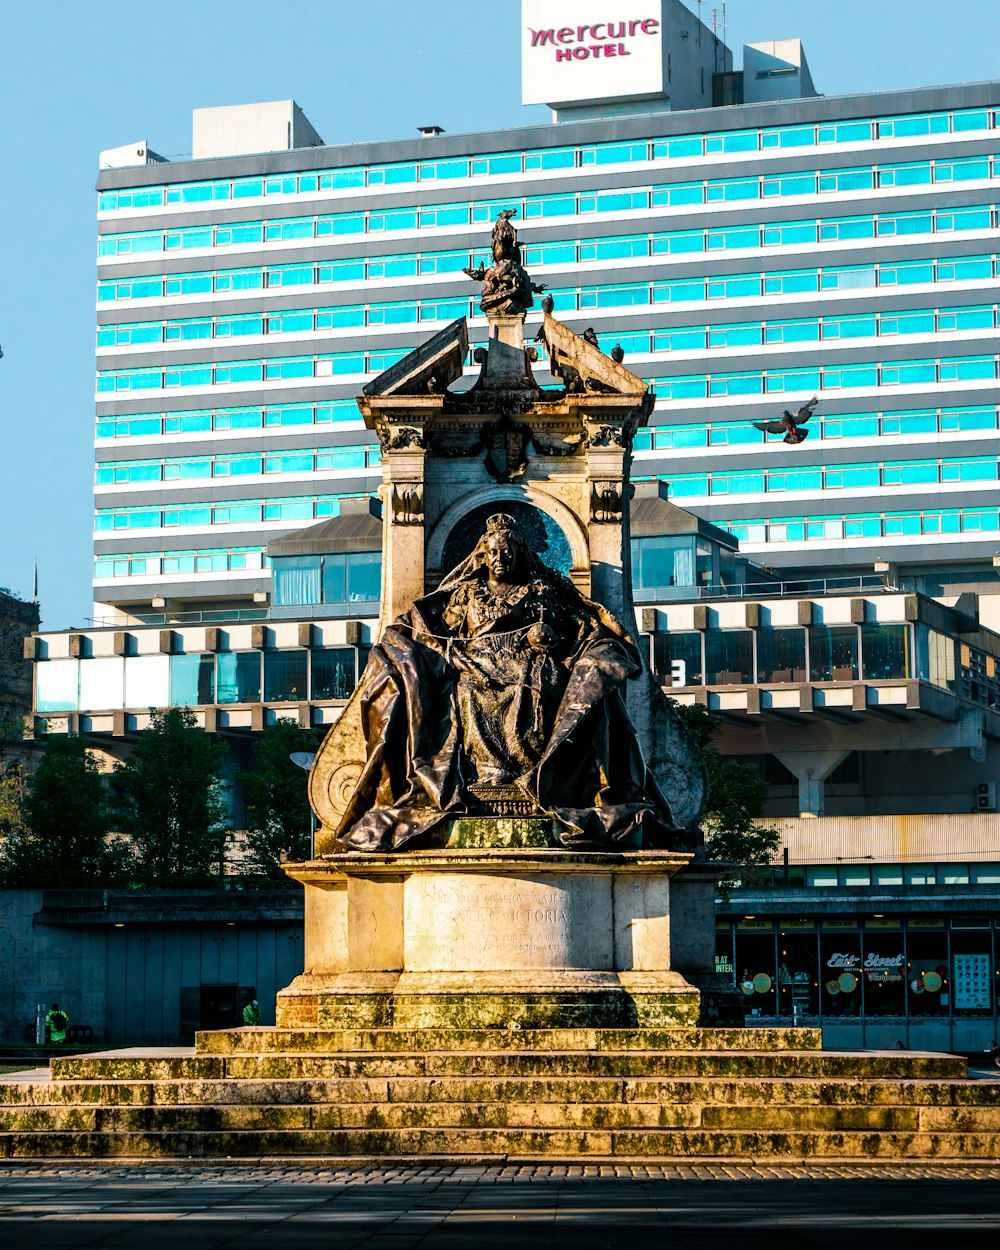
746	257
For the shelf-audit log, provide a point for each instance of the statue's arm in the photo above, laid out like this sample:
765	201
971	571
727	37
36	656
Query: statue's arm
456	610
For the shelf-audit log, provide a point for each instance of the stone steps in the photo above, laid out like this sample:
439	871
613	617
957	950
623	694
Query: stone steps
123	1066
759	1093
347	1116
771	1145
563	1093
335	1041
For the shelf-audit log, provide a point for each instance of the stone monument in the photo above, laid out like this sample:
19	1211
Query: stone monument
507	798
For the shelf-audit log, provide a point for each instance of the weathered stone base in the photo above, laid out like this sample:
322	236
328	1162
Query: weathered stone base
554	1094
481	1000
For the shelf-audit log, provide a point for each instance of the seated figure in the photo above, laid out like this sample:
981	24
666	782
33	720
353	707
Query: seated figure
505	678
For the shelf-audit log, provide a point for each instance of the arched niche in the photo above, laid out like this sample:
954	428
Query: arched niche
494	498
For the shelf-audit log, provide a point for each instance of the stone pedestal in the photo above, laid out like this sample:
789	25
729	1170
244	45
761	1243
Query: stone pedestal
474	938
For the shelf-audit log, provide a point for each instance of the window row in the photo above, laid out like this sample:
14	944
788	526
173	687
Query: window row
917	522
817	477
158	563
775	654
143	681
499	164
224	512
203	420
681	387
830	378
288	321
778	283
189	468
864	875
230	372
854	425
678	338
573	252
890	972
568	204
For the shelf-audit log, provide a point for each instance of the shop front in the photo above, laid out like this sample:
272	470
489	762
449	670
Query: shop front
886	982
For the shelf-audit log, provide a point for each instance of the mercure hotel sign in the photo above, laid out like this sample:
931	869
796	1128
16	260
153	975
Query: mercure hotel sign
571	43
583	51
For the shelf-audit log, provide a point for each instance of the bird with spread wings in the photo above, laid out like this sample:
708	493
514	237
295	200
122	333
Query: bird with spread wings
789	423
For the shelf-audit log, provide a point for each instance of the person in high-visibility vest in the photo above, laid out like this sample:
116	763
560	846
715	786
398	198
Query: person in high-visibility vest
57	1022
251	1013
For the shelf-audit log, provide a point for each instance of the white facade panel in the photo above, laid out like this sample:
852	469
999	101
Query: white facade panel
583	51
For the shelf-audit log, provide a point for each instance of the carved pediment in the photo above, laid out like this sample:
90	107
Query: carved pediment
582	367
428	370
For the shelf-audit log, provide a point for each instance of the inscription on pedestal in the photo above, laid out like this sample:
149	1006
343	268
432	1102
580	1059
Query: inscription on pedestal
479	923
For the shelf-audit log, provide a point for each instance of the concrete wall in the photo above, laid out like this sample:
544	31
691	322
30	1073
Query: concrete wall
121	970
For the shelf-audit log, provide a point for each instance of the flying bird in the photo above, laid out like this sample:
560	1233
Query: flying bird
617	353
590	337
789	423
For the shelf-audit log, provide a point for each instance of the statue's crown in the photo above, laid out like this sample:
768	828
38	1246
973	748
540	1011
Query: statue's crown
501	523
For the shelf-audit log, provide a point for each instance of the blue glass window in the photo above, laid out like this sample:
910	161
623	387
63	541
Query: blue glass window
550	158
678	149
727	189
678	241
913	174
841	228
679	193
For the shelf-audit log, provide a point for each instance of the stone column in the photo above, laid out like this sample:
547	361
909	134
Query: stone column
403	515
811	769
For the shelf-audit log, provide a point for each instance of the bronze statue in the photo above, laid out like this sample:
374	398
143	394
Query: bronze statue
507	289
504	681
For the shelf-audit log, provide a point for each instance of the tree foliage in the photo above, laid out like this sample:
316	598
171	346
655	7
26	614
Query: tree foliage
169	799
736	796
55	824
274	790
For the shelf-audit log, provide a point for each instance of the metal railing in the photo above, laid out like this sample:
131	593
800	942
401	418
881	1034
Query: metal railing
800	588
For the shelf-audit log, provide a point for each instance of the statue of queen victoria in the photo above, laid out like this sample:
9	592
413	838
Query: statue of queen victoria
505	681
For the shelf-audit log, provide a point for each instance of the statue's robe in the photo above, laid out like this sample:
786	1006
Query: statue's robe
587	775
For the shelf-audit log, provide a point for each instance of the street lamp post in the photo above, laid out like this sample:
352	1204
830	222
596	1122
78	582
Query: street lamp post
304	760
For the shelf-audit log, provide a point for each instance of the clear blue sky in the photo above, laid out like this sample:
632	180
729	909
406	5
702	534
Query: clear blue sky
76	78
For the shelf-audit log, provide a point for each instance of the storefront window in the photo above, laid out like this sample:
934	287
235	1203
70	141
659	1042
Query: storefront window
927	986
884	651
728	657
884	969
840	971
973	975
756	972
781	655
833	653
798	987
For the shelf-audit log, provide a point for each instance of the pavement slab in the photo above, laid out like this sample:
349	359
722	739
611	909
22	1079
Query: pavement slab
456	1205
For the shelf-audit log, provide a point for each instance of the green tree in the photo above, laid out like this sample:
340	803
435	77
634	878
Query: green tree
170	801
55	825
736	796
274	790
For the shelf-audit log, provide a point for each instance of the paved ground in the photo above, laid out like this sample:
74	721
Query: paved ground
545	1207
